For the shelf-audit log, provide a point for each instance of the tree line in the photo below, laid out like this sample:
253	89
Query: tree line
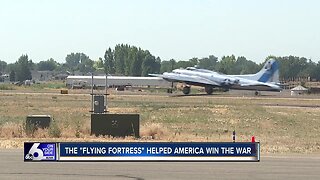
129	60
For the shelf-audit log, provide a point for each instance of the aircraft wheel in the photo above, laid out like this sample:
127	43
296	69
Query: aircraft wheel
208	89
186	90
256	93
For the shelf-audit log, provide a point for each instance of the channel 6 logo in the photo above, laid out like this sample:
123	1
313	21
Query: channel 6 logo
35	151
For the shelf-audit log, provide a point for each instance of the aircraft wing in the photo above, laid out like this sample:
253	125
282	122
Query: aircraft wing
188	79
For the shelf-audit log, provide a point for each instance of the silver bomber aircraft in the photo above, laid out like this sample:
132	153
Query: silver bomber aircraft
267	79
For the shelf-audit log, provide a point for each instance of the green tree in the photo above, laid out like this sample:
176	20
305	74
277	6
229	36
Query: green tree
194	61
311	70
48	65
157	65
32	65
148	64
3	66
127	61
315	73
98	64
119	59
306	66
244	66
11	67
208	63
131	60
73	60
135	55
86	65
109	61
79	61
12	76
167	66
227	64
62	67
183	64
23	68
291	67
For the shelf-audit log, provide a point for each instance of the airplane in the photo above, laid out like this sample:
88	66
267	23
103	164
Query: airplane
267	79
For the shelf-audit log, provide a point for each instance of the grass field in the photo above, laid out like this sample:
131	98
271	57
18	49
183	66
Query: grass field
280	124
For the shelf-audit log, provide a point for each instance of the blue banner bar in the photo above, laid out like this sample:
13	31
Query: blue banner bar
159	151
141	151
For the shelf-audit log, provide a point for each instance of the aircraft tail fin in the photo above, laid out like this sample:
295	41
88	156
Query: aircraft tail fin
268	74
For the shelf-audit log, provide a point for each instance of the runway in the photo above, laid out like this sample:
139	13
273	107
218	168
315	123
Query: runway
270	167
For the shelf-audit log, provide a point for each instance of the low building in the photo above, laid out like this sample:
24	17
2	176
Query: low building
298	90
42	75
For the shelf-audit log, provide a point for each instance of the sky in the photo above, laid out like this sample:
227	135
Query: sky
170	29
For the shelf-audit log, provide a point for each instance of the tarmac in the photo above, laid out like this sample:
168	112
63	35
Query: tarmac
270	167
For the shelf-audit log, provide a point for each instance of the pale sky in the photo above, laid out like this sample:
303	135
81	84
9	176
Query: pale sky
178	29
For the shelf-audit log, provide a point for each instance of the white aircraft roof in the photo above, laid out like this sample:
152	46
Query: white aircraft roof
299	88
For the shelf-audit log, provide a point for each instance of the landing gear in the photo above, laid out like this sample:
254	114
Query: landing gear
171	89
208	89
186	90
257	93
225	89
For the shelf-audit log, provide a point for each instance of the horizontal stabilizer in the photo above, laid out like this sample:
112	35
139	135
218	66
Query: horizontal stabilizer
156	75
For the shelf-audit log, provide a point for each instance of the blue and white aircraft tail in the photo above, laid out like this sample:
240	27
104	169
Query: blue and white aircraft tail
268	74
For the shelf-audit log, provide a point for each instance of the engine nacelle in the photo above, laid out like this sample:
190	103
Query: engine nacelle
229	82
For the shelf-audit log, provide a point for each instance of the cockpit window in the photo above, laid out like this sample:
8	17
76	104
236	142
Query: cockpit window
191	68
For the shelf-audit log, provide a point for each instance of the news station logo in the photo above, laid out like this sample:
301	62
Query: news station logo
39	151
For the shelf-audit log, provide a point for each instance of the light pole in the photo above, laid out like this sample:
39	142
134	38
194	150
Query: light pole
91	91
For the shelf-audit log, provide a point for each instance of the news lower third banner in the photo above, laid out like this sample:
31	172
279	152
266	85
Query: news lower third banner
142	151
